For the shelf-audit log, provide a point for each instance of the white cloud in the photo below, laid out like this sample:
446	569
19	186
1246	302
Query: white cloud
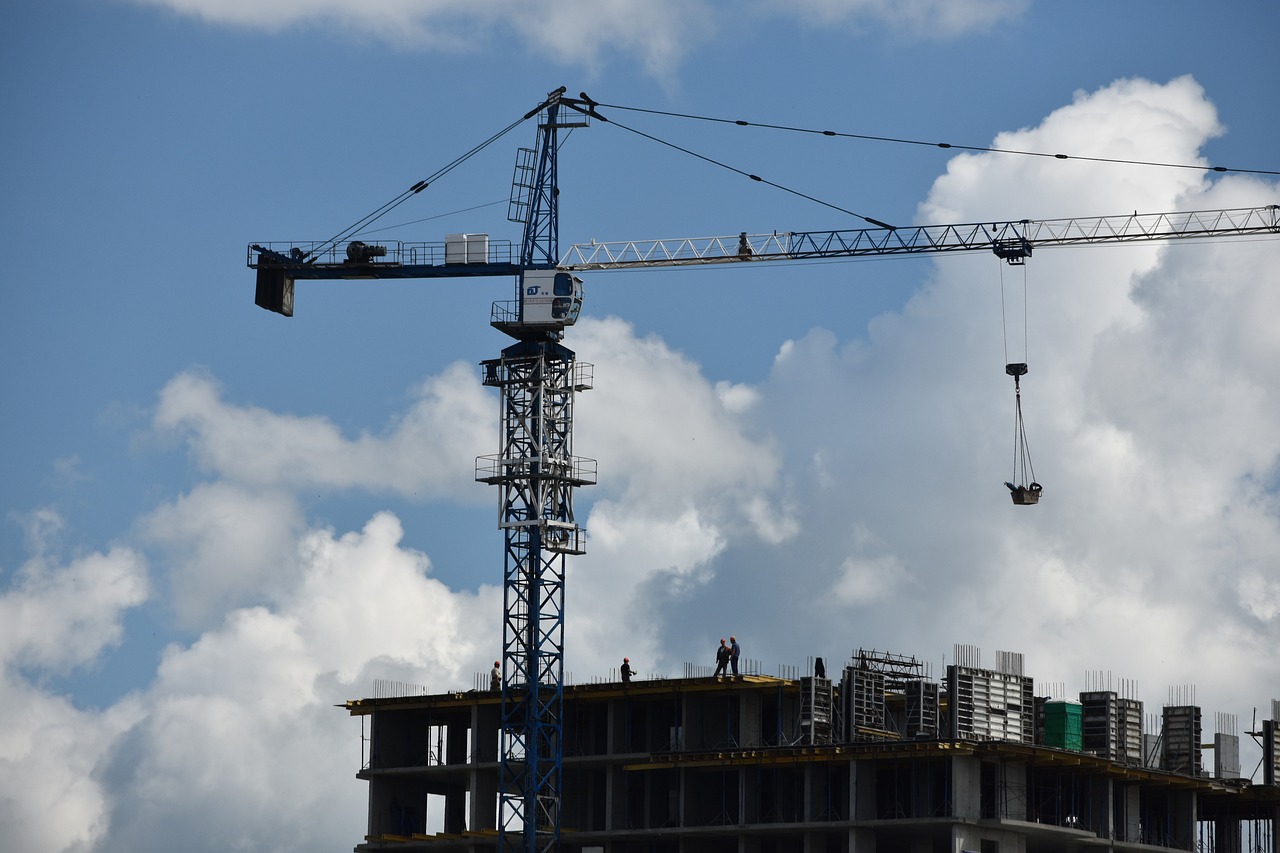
932	18
1151	406
569	32
428	452
246	711
681	476
60	617
656	34
49	800
670	437
227	546
55	619
852	497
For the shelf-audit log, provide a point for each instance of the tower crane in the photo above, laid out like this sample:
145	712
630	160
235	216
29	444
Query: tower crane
538	378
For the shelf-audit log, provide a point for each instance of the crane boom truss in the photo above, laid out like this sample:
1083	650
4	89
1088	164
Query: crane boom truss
1010	239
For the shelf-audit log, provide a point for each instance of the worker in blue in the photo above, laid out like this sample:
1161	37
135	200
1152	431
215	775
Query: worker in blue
734	652
722	658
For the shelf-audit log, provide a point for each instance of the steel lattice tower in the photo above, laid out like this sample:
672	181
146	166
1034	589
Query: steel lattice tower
536	473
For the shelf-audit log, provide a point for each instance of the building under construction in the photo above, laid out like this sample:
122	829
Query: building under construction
880	758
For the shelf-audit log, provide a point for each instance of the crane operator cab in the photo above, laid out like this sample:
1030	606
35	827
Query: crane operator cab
550	299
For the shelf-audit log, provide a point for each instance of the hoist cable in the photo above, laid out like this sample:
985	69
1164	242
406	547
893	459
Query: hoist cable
379	212
436	216
1024	473
561	144
1004	323
1022	450
722	165
979	148
1025	331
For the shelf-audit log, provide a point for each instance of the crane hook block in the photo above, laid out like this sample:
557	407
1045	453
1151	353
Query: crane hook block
1019	369
1025	495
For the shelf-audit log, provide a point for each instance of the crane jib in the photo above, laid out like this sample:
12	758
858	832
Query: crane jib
1009	239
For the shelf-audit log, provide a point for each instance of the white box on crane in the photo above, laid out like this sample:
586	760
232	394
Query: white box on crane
466	248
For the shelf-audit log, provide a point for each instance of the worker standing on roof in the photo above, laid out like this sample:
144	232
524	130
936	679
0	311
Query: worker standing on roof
626	671
722	659
734	652
495	676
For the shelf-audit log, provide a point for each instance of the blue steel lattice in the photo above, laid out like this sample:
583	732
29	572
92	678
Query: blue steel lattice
536	473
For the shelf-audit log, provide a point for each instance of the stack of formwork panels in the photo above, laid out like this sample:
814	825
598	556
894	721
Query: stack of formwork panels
989	705
1112	726
922	708
862	702
1099	723
1129	740
1181	740
1271	746
815	709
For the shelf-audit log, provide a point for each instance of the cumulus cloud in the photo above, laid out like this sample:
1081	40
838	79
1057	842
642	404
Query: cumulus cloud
930	18
428	452
49	800
851	497
225	546
235	717
1150	407
656	34
677	463
58	617
54	619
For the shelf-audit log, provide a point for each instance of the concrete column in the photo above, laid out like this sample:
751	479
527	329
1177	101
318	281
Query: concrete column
862	790
485	722
1107	803
862	805
749	717
1014	806
966	787
455	798
862	841
1185	817
1227	835
614	728
749	795
1128	821
615	800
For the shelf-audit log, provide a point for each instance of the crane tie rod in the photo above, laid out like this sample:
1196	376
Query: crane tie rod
421	185
979	148
714	162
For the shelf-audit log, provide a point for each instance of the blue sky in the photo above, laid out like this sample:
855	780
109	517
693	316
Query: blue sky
223	522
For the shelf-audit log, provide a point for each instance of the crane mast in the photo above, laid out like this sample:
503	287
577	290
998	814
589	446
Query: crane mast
538	379
536	474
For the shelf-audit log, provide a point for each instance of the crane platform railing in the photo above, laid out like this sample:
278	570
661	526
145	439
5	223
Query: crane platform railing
573	470
377	253
1007	239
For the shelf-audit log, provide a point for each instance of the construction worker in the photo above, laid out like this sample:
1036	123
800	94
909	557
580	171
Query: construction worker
626	671
722	659
734	652
495	676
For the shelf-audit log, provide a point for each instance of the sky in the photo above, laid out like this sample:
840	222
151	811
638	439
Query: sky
218	523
